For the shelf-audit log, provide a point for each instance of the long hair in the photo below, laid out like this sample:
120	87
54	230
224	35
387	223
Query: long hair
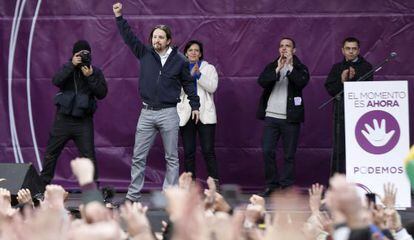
165	28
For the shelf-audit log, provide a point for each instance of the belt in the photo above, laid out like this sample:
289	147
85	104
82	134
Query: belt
152	108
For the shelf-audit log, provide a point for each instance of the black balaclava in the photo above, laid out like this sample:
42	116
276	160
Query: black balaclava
81	45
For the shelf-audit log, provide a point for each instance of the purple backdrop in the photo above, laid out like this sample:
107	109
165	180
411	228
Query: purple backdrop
240	37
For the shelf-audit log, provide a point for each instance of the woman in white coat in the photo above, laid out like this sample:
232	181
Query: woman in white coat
206	79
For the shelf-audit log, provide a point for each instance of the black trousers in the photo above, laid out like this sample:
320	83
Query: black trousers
338	161
206	133
66	128
289	132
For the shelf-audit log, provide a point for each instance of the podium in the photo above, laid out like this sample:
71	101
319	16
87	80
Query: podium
377	136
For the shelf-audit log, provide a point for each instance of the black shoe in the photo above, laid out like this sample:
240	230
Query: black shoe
108	193
118	203
267	192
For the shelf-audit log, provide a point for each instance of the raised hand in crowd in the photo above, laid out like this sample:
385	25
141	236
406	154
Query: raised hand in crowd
253	214
54	197
38	224
313	229
24	196
392	220
187	213
228	227
94	212
5	203
220	204
175	197
134	215
211	193
83	169
391	215
185	180
344	203
258	200
318	226
255	211
315	197
378	217
390	194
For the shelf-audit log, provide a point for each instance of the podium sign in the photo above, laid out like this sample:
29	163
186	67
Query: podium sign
377	136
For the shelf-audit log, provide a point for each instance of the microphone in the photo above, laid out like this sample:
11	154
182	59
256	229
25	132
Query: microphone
389	58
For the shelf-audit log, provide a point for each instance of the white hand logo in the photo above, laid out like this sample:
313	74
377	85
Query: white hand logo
377	136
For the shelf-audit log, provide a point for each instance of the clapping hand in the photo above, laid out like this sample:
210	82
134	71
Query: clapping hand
195	70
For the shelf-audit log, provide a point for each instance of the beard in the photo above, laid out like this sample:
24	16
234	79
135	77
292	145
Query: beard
159	47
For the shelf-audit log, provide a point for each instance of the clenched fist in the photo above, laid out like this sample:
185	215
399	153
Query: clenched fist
117	8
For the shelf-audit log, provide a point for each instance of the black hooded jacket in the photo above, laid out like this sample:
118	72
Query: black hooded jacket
78	94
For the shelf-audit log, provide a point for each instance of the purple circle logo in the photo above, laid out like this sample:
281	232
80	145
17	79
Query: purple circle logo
377	132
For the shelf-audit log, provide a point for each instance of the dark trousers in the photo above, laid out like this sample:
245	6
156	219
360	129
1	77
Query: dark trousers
66	128
289	132
206	133
338	162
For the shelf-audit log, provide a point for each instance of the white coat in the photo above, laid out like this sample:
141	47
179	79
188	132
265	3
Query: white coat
206	86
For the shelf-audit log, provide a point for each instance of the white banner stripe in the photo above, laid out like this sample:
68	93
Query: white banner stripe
29	98
11	107
9	80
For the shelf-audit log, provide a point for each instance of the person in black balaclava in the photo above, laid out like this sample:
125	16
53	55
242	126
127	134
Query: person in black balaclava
80	85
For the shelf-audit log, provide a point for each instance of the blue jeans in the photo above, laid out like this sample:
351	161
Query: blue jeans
165	121
274	129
